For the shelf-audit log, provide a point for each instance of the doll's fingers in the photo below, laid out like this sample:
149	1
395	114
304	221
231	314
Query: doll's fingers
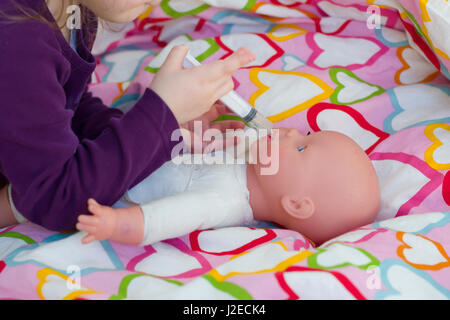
86	228
87	239
89	220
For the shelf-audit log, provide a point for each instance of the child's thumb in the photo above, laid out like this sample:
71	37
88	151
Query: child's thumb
176	56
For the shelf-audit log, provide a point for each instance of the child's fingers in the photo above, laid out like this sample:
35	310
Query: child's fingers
237	60
175	58
224	87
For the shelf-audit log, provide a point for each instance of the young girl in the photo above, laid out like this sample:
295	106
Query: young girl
59	145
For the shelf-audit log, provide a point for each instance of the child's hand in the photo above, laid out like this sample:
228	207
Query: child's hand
196	129
189	93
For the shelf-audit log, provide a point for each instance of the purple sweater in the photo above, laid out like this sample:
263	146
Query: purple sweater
59	145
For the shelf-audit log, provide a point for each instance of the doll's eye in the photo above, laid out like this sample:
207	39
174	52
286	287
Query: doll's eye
301	149
309	132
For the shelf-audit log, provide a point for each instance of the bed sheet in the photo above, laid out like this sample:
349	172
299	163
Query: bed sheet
320	66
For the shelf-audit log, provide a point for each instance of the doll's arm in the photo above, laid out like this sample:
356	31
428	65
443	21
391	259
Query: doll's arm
158	220
183	213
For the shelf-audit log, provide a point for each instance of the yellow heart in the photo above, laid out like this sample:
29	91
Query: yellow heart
226	271
43	275
429	132
293	31
305	79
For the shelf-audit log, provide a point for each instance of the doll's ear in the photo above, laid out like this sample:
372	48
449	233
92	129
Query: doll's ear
298	207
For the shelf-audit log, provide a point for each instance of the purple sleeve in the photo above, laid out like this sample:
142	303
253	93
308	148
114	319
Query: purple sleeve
51	172
92	117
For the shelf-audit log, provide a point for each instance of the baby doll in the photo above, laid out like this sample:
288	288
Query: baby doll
325	185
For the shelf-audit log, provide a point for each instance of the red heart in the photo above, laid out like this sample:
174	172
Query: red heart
358	117
346	283
446	188
195	245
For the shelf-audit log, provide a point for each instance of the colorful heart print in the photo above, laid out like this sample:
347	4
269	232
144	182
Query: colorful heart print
356	11
226	290
415	68
417	105
391	37
344	119
66	252
124	64
229	241
350	53
291	62
234	4
438	154
280	12
290	3
241	22
285	32
417	223
181	8
282	94
353	12
170	259
270	257
137	285
404	282
331	25
434	15
422	252
308	283
338	255
11	241
356	236
351	89
166	32
446	188
54	285
396	200
418	37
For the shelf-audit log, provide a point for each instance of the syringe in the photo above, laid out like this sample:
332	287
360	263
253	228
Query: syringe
238	105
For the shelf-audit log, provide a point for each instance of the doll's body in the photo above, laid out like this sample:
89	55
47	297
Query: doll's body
325	185
180	198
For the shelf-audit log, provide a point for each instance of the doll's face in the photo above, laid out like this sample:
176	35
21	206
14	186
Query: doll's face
325	182
118	11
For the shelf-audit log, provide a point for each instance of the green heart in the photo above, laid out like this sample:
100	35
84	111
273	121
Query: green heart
313	263
175	14
229	117
334	97
228	287
123	286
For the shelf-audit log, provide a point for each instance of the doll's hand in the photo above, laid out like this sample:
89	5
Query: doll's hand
194	137
100	225
191	92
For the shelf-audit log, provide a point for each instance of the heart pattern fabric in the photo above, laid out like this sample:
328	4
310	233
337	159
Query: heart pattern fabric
319	66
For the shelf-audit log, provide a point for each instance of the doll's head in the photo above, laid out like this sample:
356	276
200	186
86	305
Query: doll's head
325	185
